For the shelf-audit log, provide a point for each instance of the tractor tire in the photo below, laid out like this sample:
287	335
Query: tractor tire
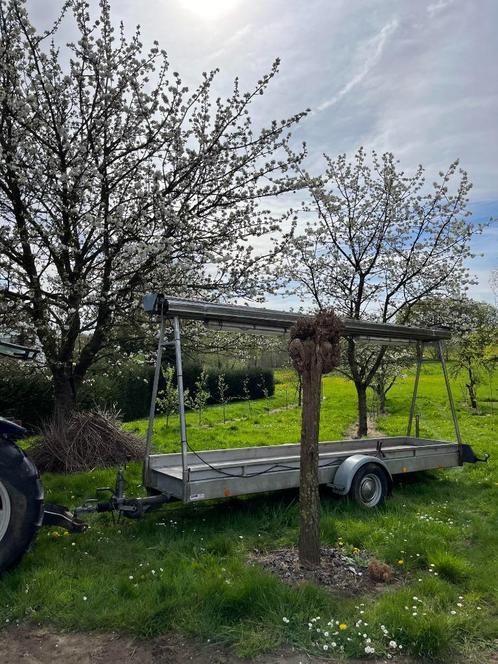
21	504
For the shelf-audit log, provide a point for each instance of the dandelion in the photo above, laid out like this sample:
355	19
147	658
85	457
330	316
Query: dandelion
85	598
325	647
401	562
343	626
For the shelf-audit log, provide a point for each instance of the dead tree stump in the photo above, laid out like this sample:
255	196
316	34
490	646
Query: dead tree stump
314	350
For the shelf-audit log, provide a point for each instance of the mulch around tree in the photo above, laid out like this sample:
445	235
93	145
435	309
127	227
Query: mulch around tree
337	571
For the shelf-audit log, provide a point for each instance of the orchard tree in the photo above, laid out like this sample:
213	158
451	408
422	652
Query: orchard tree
167	399
314	350
474	327
391	367
115	179
373	242
493	282
223	394
198	400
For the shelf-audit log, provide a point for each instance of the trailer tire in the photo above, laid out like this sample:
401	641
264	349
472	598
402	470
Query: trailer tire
21	504
370	486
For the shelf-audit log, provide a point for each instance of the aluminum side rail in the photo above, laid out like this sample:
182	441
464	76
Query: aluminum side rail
231	317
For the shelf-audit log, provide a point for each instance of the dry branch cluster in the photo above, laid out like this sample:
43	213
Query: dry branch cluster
84	441
324	330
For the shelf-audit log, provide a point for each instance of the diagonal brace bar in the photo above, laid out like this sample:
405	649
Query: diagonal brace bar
420	357
155	385
181	404
450	395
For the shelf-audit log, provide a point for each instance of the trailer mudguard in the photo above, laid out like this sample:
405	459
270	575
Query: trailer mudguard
348	469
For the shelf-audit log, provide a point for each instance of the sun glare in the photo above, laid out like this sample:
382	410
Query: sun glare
209	8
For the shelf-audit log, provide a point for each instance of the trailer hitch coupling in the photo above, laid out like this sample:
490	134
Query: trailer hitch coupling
58	515
468	455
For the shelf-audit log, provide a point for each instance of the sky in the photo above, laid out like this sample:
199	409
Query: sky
415	77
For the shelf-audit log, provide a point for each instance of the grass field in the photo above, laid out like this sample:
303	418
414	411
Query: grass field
184	568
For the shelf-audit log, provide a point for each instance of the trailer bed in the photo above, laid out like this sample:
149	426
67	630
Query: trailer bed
239	471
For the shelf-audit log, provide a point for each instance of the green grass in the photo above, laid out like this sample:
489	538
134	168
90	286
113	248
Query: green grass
184	568
264	422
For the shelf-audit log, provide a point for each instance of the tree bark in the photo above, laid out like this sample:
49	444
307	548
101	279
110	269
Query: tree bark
64	392
472	390
382	400
361	390
314	350
309	495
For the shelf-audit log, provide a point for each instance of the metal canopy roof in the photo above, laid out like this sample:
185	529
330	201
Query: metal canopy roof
232	317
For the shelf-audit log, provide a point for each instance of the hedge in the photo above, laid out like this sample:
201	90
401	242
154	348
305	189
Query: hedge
25	396
28	397
258	380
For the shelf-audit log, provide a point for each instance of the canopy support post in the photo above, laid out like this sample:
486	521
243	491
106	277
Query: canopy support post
181	404
420	357
155	385
450	395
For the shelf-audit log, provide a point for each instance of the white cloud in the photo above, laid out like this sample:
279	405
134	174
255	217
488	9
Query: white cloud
437	7
370	54
232	41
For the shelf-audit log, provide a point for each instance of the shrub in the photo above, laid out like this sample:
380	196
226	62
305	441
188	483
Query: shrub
24	395
128	391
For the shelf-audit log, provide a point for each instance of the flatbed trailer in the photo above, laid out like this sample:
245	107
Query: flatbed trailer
240	471
364	467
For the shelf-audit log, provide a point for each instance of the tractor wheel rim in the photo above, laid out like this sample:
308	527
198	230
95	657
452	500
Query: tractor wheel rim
370	489
5	510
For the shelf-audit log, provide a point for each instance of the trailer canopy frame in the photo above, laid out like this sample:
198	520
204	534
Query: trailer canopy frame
240	318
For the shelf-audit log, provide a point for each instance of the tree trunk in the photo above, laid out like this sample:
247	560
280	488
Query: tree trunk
64	392
382	401
361	390
309	495
471	388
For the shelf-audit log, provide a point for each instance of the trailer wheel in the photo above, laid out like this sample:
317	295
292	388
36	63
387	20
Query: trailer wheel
370	486
21	504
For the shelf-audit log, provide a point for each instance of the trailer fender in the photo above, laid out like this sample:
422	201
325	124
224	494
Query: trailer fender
348	469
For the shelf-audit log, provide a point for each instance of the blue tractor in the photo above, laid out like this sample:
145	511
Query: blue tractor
22	508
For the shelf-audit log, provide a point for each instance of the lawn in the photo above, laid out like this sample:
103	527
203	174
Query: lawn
184	568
